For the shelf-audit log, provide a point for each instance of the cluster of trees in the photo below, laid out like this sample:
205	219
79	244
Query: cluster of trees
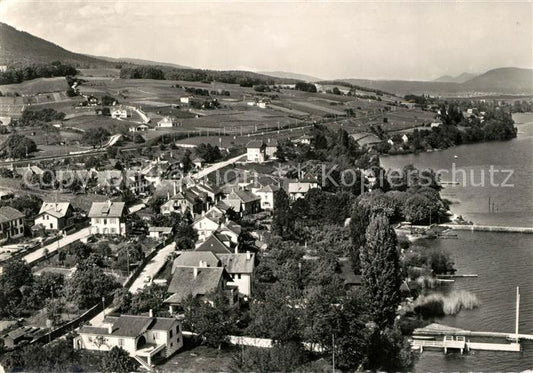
243	78
205	104
37	117
422	100
208	152
60	356
17	146
96	136
306	87
19	74
197	91
141	72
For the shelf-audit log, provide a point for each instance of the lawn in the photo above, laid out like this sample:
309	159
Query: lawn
199	359
35	86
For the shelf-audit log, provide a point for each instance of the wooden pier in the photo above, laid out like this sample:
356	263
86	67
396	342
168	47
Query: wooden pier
488	228
446	337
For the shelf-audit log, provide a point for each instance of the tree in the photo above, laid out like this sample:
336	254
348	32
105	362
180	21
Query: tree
95	136
89	284
117	360
138	139
380	270
213	323
282	220
358	225
18	146
148	298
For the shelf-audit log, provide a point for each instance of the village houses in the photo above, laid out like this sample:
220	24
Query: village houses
107	218
11	223
54	215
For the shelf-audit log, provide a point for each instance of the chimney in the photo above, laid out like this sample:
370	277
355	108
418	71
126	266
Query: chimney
248	255
195	272
151	313
174	185
110	329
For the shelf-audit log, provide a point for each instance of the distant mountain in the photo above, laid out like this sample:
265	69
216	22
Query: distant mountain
138	61
501	81
456	79
21	47
506	79
289	75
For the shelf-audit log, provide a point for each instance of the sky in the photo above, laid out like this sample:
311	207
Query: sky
344	39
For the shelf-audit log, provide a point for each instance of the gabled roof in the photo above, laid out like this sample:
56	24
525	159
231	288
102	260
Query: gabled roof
232	226
166	230
57	210
213	244
193	259
185	283
238	263
269	189
255	144
106	209
198	159
301	187
9	213
131	326
204	217
241	195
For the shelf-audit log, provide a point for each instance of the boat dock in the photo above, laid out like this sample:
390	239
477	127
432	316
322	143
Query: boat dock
488	228
461	344
445	337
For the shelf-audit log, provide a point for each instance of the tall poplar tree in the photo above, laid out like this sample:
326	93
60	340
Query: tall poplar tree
380	270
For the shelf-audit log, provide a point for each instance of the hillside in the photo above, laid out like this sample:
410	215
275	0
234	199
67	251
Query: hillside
139	61
289	75
507	79
464	77
502	81
19	47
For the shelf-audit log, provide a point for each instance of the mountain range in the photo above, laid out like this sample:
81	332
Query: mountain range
456	79
19	47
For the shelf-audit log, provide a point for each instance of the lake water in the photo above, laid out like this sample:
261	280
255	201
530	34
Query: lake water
502	260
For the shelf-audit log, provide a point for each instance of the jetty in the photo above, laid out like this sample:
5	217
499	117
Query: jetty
488	228
443	337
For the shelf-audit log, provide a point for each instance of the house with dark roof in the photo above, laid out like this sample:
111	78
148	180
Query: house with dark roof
266	195
107	218
11	223
259	151
143	337
243	202
199	282
196	259
215	245
240	266
54	215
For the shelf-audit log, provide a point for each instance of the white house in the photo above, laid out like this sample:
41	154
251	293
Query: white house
143	337
160	232
186	99
255	151
119	113
167	122
205	226
11	223
107	218
266	194
298	189
54	215
240	267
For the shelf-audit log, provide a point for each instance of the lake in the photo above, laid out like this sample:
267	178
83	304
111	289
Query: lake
502	260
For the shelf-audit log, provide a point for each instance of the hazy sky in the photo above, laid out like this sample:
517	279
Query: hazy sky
415	40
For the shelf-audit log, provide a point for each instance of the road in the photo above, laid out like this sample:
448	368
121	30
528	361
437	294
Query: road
150	269
217	166
48	249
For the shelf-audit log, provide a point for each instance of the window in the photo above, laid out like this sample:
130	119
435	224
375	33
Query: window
51	225
105	221
170	333
113	230
155	336
177	329
239	276
120	342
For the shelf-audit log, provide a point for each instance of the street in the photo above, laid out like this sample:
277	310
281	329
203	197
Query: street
51	248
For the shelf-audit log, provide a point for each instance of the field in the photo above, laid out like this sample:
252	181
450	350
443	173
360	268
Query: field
229	125
35	86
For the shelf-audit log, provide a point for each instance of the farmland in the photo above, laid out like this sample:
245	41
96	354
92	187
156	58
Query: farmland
236	117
